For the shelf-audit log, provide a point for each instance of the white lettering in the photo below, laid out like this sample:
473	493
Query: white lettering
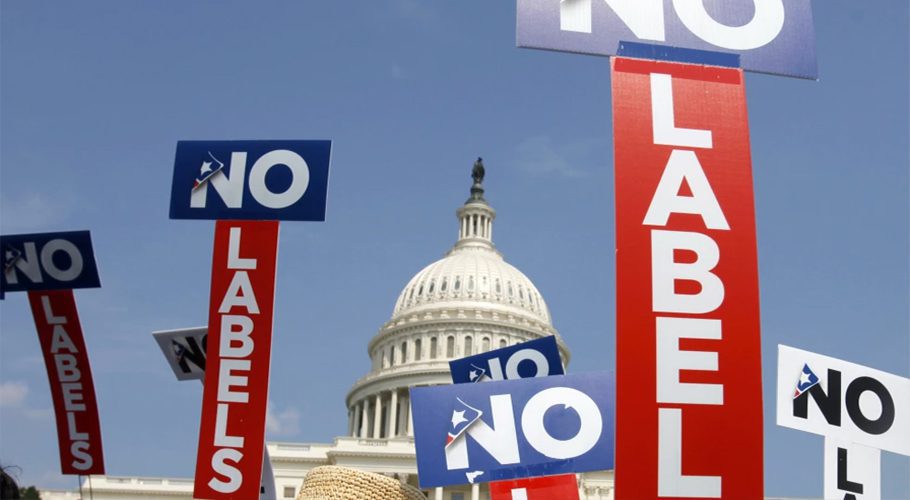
47	260
239	294
79	450
644	17
49	313
234	260
764	27
663	123
684	166
220	465
300	178
28	264
670	360
665	271
501	443
670	480
72	396
230	189
532	422
67	371
230	336
60	340
74	433
226	380
221	435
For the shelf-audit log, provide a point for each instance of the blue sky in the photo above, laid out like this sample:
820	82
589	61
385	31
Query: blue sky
94	96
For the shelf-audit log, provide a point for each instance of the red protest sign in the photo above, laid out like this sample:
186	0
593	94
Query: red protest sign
689	409
232	431
563	486
70	377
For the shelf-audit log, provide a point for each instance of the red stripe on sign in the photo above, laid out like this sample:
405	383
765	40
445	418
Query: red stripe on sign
563	487
689	409
232	431
70	377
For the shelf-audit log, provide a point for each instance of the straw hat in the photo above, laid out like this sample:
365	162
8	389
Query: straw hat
331	482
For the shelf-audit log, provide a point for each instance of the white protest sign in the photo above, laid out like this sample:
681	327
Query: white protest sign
843	400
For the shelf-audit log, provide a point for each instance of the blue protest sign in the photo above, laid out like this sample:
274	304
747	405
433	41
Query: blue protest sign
770	36
467	433
250	180
535	358
48	261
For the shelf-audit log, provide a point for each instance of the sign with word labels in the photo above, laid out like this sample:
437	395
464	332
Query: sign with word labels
688	352
48	261
534	358
185	350
70	377
770	36
251	180
232	430
49	266
494	431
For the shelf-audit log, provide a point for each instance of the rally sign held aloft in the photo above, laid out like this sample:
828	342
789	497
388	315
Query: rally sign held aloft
471	433
48	261
846	401
534	358
70	377
770	36
49	266
688	338
232	432
251	180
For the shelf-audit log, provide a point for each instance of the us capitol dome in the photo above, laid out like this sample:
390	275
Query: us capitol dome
469	301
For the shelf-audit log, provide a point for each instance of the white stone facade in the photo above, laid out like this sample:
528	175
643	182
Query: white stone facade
468	302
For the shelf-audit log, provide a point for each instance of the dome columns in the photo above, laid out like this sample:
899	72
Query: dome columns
382	415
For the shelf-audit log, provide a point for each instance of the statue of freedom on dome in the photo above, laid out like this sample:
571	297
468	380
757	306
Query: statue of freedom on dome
478	171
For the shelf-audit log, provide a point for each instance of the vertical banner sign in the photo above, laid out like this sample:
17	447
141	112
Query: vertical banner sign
689	419
232	431
852	471
70	377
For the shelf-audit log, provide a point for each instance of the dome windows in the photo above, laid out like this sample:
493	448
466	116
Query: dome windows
433	346
450	346
445	283
457	283
418	344
468	345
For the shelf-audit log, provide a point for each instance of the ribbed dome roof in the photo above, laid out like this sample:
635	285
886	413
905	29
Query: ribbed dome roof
472	274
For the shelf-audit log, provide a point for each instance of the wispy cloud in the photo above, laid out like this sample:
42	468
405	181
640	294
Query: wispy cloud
539	155
282	423
12	394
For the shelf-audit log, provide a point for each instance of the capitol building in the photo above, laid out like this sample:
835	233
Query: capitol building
468	302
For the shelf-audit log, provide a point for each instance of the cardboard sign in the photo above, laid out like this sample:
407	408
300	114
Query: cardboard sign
250	180
771	36
535	358
472	433
48	261
70	377
563	487
184	351
688	339
232	431
852	471
843	400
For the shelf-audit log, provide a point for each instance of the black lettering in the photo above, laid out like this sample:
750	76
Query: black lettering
855	390
829	403
191	353
842	482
